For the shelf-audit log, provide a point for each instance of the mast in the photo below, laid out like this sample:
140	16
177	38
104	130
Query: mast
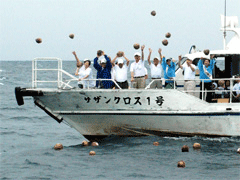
224	32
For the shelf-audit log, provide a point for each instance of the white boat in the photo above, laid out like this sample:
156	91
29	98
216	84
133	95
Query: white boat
98	113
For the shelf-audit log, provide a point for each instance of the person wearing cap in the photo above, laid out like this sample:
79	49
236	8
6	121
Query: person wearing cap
103	70
206	67
79	71
169	67
121	71
156	70
137	70
189	75
236	90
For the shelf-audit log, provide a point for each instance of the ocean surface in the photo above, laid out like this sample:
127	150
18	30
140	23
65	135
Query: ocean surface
28	135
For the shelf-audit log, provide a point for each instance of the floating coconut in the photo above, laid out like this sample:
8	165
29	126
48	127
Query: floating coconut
71	36
119	53
38	40
196	146
165	42
185	148
168	35
156	143
85	143
92	153
95	144
58	146
136	46
206	52
181	164
153	13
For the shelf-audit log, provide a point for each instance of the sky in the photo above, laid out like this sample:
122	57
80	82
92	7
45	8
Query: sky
109	25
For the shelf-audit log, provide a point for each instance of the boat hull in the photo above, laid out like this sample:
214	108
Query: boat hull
150	112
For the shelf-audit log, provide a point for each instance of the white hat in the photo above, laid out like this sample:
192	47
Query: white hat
156	58
103	60
137	54
120	61
86	60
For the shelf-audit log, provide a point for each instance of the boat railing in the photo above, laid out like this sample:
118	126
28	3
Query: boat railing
61	84
204	91
65	84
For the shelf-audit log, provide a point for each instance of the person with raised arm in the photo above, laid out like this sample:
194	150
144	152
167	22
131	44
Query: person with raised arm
206	67
79	71
137	70
169	67
121	71
103	70
156	70
189	75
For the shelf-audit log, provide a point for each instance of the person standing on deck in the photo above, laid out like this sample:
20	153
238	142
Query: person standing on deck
169	67
121	72
156	70
137	70
87	75
80	70
189	75
206	69
103	70
236	90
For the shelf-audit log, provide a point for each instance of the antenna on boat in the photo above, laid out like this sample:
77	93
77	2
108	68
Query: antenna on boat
224	32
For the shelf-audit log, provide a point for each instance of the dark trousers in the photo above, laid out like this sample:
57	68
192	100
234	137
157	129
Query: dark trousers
207	86
123	85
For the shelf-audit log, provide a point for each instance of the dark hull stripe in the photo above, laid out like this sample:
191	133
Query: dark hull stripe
152	114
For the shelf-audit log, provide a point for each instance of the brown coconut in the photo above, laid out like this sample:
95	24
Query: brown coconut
71	36
156	143
185	148
58	146
92	153
168	35
181	164
153	13
206	52
119	53
165	42
85	143
136	46
38	40
196	146
99	52
95	144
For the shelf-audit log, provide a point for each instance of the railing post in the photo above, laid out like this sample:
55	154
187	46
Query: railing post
231	87
202	88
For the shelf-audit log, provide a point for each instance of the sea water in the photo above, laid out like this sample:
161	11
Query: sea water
28	136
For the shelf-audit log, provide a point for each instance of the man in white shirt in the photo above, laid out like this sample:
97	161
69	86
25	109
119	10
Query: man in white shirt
137	70
189	75
156	70
236	90
121	72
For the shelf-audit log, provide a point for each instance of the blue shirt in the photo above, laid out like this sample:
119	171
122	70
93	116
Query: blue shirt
104	73
170	73
209	69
